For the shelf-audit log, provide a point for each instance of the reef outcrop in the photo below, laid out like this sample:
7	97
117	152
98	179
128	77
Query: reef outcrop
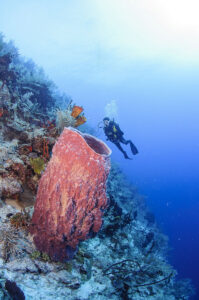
71	194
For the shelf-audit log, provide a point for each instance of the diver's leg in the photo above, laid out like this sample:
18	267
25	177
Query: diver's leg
120	148
134	150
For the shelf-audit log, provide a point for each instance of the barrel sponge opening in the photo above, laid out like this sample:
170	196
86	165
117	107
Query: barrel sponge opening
97	145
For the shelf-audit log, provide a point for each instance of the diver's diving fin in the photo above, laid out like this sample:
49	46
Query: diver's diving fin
134	150
126	156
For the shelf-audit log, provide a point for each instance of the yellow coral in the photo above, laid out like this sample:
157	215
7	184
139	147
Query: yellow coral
79	121
38	164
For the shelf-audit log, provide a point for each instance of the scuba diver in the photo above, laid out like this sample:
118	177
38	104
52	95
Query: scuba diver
115	135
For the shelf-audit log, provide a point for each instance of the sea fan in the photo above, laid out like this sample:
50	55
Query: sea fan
64	119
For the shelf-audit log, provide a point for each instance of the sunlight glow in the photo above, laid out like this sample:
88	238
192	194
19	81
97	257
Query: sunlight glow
103	37
155	28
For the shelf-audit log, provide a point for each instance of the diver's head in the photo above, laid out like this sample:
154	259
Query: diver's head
106	121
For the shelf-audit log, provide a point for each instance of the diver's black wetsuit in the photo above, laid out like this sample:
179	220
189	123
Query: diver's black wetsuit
115	135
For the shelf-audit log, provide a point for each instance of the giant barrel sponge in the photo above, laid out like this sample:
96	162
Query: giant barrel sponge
71	194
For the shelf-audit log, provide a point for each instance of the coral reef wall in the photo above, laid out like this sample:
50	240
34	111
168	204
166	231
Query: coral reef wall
127	259
71	194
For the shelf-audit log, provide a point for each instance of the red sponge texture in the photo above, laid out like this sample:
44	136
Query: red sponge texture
71	195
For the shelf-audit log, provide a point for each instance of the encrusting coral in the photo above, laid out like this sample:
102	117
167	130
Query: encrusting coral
20	220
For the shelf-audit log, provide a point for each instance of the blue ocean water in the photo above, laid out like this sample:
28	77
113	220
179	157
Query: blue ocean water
159	113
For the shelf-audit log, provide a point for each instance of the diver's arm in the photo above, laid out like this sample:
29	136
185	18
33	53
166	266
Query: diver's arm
109	136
